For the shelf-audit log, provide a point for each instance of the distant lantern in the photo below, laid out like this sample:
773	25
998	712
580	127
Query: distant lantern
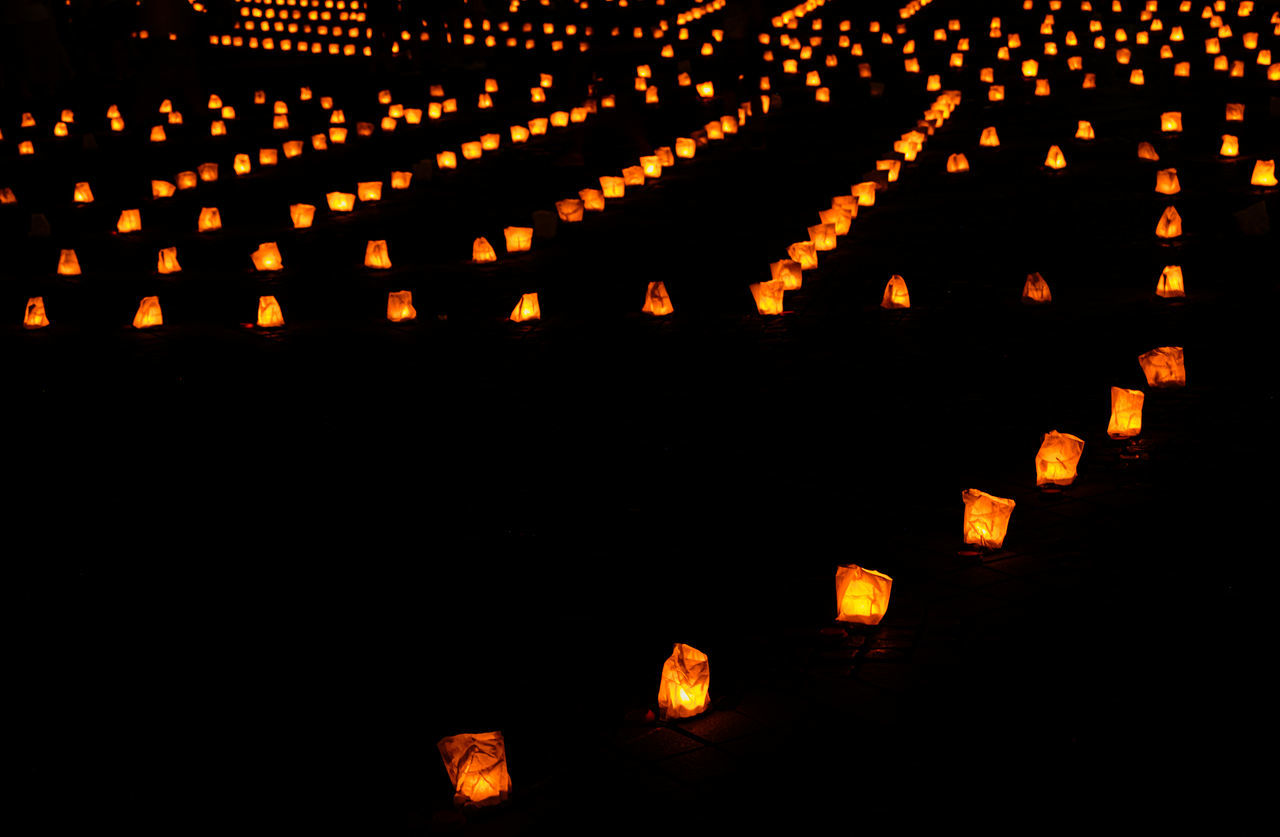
685	686
369	190
489	142
685	147
162	189
633	176
559	118
1136	77
1167	182
538	127
1057	458
1054	159
302	214
1084	130
130	221
895	293
267	257
1230	146
519	133
157	134
1035	290
804	254
1090	81
519	239
527	308
986	518
269	314
570	210
401	179
477	768
68	264
82	193
592	199
340	201
482	251
472	150
613	187
989	139
1170	285
447	160
656	300
1264	173
1235	112
377	256
1126	413
242	164
149	314
862	596
651	166
995	93
35	316
1164	367
167	262
1170	224
957	163
210	219
1146	151
823	237
400	306
187	180
1171	122
768	296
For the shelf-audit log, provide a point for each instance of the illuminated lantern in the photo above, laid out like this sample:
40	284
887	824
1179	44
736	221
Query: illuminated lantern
656	300
823	237
1084	130
157	134
1042	87
210	219
208	172
1235	112
60	129
340	201
1170	282
538	127
570	210
337	135
162	189
1147	152
168	261
559	119
267	257
592	199
447	160
472	150
242	164
768	296
651	166
1230	146
292	148
302	214
1171	122
893	167
840	219
1091	81
130	221
895	294
519	133
369	190
269	315
482	251
995	93
526	309
519	239
804	253
685	688
319	142
862	596
1054	159
82	193
1264	173
400	306
613	187
1057	458
986	518
68	264
401	179
267	156
413	116
1164	367
1182	69
989	139
1167	182
633	176
477	768
1170	224
215	102
1036	290
957	163
1126	413
187	180
865	192
26	148
1136	77
7	196
377	256
788	272
665	156
35	316
149	314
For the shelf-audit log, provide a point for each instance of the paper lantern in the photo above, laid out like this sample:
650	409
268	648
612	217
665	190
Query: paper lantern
447	160
210	219
685	688
208	172
319	142
7	196
68	264
788	272
538	127
1042	87
149	314
1090	81
482	251
1136	77
519	133
804	253
157	133
768	296
340	201
162	189
268	156
1230	146
989	139
656	300
559	119
592	199
292	148
519	239
862	596
633	176
400	306
865	193
1171	122
370	190
477	768
472	150
130	221
82	193
413	116
1147	152
187	180
995	93
242	164
1170	224
1170	282
986	518
1264	173
651	166
26	148
1035	290
1164	367
895	293
1126	413
267	257
526	309
302	214
570	210
377	256
1054	159
957	163
1084	130
1235	112
401	179
1057	459
168	261
841	220
823	237
35	316
269	315
1167	182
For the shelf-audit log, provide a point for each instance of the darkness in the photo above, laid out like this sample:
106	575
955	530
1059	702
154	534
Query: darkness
256	575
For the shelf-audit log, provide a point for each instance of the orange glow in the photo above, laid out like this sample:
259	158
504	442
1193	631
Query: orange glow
267	257
957	163
986	518
788	272
1164	367
613	187
805	254
482	251
400	306
519	133
1264	173
895	294
210	219
1230	146
168	261
242	165
302	214
526	309
82	193
1147	152
292	148
519	239
26	148
633	176
823	237
1126	413
447	160
768	296
656	300
187	180
68	264
337	135
1170	224
162	189
893	167
995	93
862	596
651	166
157	134
1235	112
989	139
35	316
1035	290
369	190
1084	130
685	688
401	179
130	221
1057	459
149	314
1167	182
1136	77
269	314
472	150
570	210
538	126
340	201
559	119
377	256
592	199
477	768
1054	159
1170	283
1171	122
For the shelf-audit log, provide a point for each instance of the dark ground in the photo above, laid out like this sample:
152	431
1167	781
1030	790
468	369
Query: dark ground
254	578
